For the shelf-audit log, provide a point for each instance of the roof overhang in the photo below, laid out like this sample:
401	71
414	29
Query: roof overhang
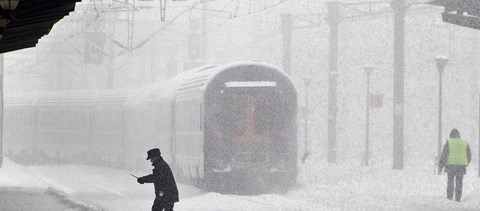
460	12
33	19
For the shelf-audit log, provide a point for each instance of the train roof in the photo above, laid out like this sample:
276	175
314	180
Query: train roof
68	97
195	80
199	78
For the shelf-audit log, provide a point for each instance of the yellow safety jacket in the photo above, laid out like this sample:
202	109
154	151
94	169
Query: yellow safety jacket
457	152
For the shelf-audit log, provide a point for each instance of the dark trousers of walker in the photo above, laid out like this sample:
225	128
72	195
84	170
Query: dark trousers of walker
458	186
165	206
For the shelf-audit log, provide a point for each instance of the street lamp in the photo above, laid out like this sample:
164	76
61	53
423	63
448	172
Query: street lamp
8	7
306	81
368	70
441	62
8	14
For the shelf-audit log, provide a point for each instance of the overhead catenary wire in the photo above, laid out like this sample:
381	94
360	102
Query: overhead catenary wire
255	43
163	28
233	17
194	7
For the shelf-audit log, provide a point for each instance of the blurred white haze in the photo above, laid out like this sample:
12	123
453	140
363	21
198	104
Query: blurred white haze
148	50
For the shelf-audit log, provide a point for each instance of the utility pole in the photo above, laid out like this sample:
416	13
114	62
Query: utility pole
1	108
475	61
306	153
287	26
204	32
399	8
474	80
368	71
130	24
163	9
441	63
111	50
333	20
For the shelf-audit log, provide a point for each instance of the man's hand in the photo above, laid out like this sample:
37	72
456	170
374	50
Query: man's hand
140	180
440	171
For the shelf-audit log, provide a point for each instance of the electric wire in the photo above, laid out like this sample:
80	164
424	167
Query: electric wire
254	43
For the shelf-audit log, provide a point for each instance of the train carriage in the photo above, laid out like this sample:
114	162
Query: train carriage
238	124
220	126
19	126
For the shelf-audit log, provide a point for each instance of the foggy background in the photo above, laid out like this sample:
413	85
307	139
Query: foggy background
115	44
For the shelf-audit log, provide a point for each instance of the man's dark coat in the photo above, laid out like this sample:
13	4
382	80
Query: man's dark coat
163	180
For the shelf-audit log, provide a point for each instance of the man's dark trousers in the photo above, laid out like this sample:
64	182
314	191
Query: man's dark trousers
165	206
458	186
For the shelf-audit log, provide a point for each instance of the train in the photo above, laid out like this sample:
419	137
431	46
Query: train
218	126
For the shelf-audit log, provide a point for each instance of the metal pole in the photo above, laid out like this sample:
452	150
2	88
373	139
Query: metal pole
441	63
1	108
333	20
307	145
398	82
130	25
286	28
111	51
306	117
439	144
204	33
163	10
368	71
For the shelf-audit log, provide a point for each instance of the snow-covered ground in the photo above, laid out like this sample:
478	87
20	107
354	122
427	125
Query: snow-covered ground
321	186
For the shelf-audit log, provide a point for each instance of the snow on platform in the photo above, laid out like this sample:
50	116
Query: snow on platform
321	186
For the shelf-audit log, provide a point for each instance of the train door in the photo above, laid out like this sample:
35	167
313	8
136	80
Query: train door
189	144
252	126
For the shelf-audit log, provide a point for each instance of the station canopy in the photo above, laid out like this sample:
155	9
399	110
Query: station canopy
460	12
24	22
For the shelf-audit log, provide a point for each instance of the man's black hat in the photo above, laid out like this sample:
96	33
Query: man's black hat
153	152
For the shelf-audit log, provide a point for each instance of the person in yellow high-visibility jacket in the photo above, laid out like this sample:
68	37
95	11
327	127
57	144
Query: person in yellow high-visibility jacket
455	158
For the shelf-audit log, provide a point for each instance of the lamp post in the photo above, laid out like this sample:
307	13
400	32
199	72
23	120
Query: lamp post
368	70
8	7
306	81
8	14
441	62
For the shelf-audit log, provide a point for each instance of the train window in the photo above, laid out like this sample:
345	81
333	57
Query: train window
75	119
46	119
182	117
186	115
11	117
108	119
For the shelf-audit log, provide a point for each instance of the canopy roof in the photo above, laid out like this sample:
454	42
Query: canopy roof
33	19
460	12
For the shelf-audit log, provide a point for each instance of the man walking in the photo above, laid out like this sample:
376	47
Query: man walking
166	192
455	158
